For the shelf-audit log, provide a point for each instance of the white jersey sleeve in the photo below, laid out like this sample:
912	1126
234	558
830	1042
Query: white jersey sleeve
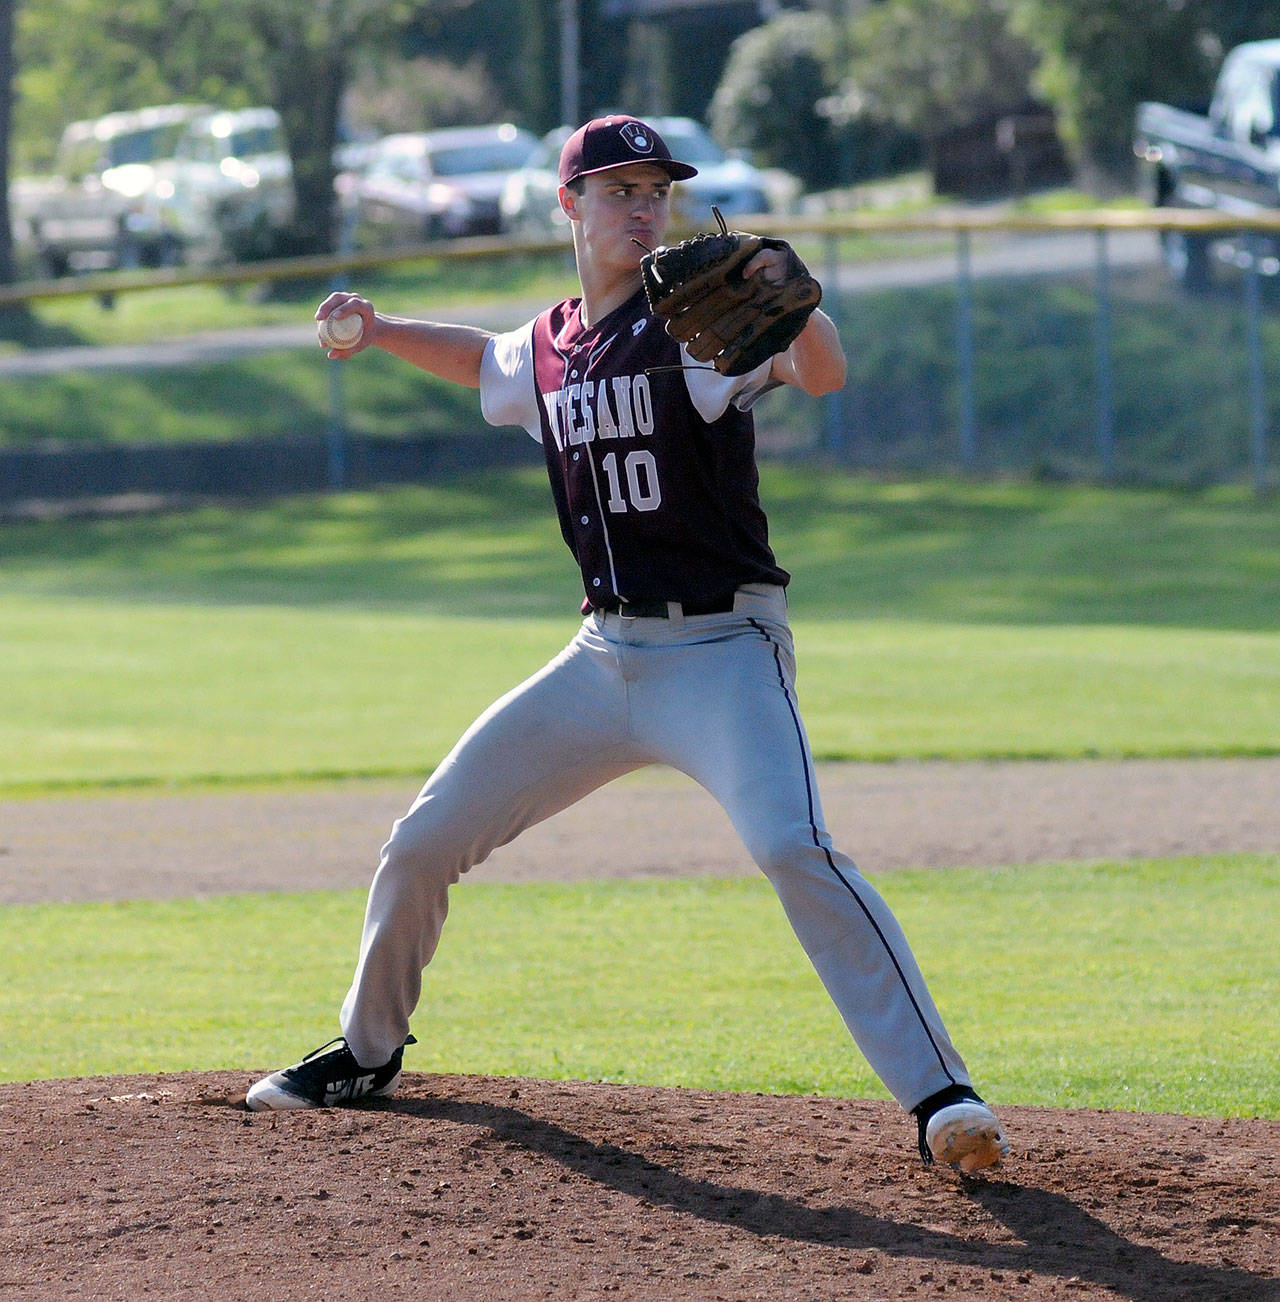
712	393
508	393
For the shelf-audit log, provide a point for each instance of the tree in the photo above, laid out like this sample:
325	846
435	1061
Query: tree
389	94
512	44
308	51
296	55
935	65
775	77
1101	59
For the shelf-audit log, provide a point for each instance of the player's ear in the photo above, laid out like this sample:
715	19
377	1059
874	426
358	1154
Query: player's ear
568	203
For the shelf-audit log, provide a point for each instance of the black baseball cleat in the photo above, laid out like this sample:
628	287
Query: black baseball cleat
959	1130
327	1078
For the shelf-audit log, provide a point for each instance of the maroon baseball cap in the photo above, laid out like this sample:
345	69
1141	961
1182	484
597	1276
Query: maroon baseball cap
616	141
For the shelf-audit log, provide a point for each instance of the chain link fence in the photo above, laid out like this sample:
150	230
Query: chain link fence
1055	347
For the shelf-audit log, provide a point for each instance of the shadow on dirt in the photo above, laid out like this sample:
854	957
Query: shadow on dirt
1056	1236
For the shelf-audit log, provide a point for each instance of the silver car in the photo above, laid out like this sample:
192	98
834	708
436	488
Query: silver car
425	185
530	208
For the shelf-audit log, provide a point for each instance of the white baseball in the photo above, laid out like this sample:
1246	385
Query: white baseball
340	331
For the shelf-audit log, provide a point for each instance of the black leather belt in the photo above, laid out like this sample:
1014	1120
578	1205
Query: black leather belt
660	609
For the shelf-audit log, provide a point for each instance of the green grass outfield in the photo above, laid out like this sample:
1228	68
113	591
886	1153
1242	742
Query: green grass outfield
360	634
1144	986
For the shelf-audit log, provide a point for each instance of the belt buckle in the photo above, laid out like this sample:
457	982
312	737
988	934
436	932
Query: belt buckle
649	607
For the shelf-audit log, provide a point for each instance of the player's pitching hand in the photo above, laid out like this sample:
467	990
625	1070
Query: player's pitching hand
344	324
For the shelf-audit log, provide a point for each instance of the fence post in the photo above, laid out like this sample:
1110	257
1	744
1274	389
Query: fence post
833	408
336	442
1102	341
1257	379
964	349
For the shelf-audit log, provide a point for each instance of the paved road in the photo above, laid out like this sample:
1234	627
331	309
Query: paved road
1023	255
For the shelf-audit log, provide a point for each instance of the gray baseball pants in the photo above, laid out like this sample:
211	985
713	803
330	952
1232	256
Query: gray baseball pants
712	696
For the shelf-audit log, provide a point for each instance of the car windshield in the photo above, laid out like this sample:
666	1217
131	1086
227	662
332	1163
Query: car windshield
144	146
255	140
692	146
500	156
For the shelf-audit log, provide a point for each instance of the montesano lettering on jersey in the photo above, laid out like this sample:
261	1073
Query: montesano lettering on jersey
618	407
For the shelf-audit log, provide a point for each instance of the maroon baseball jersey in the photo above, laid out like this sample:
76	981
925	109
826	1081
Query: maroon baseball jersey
651	455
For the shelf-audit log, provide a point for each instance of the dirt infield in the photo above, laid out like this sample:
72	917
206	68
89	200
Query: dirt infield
653	824
476	1188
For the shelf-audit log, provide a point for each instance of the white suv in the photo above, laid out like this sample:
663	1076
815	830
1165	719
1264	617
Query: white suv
230	184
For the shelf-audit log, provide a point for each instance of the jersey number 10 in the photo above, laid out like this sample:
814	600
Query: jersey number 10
640	492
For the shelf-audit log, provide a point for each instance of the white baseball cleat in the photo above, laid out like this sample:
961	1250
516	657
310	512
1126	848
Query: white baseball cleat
966	1135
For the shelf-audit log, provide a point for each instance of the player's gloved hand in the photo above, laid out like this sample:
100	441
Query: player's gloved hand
731	298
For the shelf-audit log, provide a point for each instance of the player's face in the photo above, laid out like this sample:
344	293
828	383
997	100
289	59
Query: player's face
620	206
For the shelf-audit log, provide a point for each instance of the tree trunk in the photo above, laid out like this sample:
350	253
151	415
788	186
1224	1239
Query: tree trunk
309	83
310	100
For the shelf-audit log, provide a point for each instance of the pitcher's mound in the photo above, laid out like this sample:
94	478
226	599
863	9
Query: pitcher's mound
483	1188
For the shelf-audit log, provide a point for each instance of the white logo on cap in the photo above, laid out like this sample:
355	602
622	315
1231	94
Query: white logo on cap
637	136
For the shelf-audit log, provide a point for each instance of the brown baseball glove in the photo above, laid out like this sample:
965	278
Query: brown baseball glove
735	322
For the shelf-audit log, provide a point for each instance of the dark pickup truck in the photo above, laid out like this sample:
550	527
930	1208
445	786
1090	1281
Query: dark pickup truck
1227	162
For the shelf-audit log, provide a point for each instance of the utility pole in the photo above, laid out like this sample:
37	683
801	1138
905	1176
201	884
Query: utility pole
7	72
570	91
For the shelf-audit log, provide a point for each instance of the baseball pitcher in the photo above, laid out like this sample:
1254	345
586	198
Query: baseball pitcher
640	391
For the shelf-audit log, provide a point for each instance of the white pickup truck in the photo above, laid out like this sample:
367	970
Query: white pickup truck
229	186
1227	161
106	205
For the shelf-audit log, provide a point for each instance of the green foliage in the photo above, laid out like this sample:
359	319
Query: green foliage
75	61
768	98
1102	59
781	97
1140	986
389	94
510	46
78	59
937	64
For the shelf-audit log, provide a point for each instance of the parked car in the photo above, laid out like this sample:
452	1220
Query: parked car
1226	161
229	185
530	208
103	208
437	184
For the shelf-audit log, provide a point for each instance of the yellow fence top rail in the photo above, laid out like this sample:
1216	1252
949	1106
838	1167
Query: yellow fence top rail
835	225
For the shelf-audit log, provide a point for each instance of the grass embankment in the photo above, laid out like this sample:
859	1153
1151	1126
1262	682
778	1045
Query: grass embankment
1179	377
278	392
